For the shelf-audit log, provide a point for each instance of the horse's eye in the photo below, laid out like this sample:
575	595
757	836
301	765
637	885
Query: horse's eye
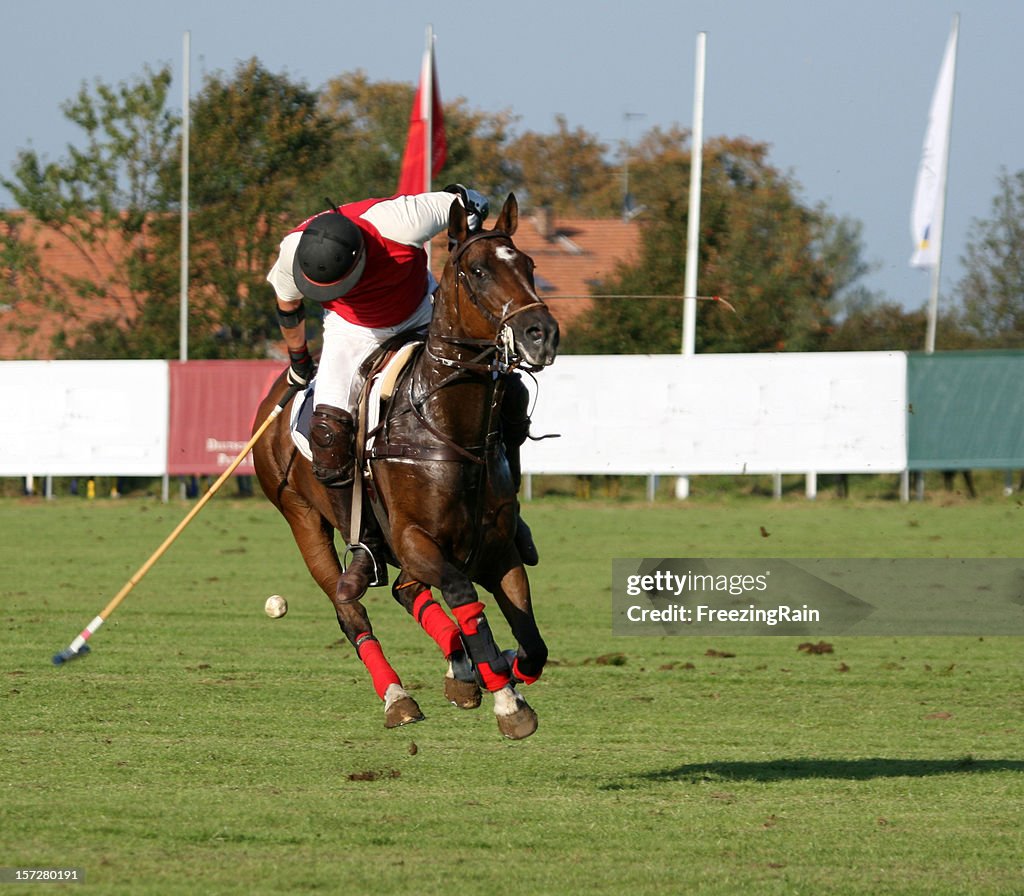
478	272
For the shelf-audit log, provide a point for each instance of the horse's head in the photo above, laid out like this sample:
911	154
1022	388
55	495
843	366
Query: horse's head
490	289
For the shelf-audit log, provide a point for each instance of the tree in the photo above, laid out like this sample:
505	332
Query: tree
878	327
567	172
889	327
993	285
370	122
780	263
256	135
102	200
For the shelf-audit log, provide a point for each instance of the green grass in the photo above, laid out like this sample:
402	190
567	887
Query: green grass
203	748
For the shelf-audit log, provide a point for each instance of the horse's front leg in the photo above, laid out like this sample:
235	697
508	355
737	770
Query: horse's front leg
516	719
512	592
460	685
422	558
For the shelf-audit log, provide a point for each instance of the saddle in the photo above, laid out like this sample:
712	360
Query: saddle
384	370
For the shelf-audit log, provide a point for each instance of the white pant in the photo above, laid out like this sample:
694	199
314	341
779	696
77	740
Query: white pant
346	346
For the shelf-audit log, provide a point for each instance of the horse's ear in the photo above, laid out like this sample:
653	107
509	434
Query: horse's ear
508	220
458	226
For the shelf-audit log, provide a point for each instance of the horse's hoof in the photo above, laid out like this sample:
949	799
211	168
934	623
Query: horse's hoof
463	694
402	712
461	688
399	708
516	719
522	723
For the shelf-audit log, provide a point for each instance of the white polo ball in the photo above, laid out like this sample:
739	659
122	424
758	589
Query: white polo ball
276	606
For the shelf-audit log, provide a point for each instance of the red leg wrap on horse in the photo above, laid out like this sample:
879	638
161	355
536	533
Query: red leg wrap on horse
468	616
435	622
522	676
369	650
491	665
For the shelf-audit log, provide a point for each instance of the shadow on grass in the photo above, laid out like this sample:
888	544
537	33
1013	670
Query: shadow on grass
842	769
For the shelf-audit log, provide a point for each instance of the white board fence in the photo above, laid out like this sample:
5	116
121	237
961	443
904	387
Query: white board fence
628	414
75	418
828	412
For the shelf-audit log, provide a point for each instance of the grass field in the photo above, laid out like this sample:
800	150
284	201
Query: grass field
204	748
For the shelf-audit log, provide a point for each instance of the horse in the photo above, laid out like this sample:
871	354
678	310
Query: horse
438	479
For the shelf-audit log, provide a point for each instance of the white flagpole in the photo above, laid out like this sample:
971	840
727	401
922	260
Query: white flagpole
682	488
929	209
693	216
185	116
427	110
427	115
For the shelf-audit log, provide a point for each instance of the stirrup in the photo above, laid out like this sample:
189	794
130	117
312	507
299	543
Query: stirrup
380	568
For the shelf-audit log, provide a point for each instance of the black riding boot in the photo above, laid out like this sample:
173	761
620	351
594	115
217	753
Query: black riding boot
331	434
331	437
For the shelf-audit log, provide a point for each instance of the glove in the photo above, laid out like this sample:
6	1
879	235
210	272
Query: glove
300	372
474	203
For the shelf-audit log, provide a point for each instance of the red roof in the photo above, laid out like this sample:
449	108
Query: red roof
571	254
28	320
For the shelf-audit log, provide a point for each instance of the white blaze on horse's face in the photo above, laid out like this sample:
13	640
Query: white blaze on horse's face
509	255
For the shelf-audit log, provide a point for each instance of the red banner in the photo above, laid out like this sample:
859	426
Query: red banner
212	407
425	107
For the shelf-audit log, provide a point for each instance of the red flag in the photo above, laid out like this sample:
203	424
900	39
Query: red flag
426	113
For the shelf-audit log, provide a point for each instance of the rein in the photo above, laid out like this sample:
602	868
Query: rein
493	357
502	338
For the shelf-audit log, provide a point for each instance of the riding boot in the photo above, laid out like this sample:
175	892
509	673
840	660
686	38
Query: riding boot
331	437
366	568
515	428
331	434
372	550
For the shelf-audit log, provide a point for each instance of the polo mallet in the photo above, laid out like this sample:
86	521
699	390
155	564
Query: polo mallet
79	647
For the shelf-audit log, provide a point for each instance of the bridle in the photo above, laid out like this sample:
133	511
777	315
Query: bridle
501	348
493	357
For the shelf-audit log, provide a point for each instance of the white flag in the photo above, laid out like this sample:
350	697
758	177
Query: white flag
930	191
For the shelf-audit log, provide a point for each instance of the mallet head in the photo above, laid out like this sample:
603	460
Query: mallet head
66	655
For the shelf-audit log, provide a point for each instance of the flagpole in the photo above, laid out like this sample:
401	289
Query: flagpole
427	110
693	216
682	488
940	198
427	114
185	115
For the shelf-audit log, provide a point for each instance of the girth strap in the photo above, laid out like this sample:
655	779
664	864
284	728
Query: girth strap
416	452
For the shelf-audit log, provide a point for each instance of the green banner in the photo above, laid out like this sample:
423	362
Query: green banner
964	410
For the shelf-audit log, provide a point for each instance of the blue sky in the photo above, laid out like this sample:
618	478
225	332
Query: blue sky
839	90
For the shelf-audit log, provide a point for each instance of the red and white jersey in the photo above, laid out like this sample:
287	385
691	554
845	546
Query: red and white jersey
396	278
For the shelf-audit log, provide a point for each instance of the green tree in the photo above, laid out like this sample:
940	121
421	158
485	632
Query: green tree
779	262
992	288
566	172
102	199
255	135
887	326
370	123
878	327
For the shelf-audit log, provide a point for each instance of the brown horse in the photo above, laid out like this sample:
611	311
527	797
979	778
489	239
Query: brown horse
438	479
